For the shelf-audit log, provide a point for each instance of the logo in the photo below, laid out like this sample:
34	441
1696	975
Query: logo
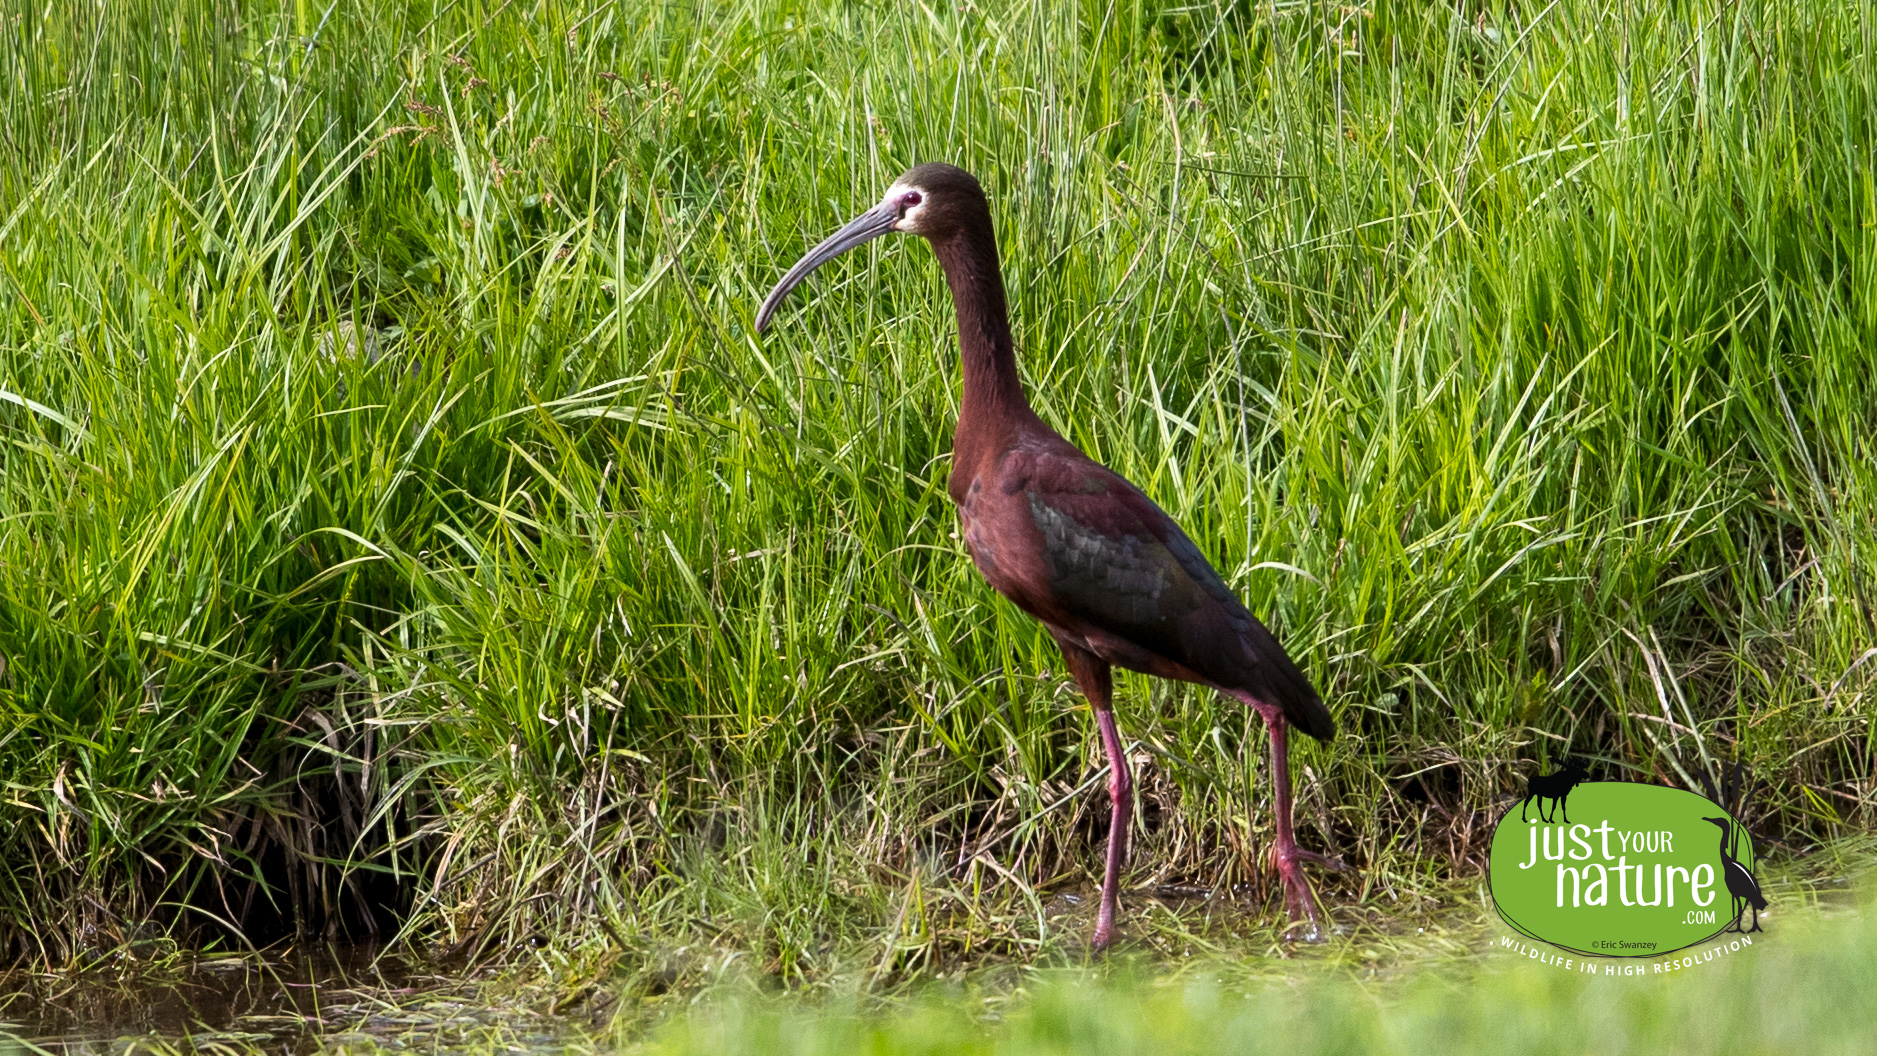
1621	869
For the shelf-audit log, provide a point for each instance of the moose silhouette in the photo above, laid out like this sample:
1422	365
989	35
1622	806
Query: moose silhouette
1554	787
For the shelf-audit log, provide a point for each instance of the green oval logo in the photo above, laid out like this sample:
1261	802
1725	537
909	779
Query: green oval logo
1619	869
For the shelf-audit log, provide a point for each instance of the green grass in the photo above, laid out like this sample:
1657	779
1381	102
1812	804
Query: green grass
1513	360
1806	991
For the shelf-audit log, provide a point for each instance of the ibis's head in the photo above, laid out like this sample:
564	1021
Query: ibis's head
934	200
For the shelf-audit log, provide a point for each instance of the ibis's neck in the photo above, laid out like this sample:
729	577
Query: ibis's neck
993	396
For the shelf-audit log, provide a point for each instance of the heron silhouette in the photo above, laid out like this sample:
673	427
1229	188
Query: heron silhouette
1069	541
1740	882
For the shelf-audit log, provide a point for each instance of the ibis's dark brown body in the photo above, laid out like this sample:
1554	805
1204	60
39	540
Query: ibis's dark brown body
1070	541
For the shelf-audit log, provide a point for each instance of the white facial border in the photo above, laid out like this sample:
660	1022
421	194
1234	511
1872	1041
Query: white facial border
911	219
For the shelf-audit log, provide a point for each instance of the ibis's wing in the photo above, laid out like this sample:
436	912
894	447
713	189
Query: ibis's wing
1119	562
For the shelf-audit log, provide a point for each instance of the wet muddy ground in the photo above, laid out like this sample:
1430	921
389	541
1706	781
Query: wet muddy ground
300	1000
286	1001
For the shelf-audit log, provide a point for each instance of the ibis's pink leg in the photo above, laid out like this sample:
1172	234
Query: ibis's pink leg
1121	813
1299	899
1093	675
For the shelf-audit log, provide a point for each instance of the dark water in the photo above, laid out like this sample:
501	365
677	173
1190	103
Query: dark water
286	1002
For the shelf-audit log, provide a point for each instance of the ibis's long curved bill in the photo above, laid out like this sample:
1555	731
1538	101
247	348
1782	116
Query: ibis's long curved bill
862	229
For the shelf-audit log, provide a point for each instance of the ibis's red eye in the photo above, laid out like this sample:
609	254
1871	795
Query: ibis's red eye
910	199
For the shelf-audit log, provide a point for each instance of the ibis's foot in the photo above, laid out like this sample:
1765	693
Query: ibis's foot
1306	921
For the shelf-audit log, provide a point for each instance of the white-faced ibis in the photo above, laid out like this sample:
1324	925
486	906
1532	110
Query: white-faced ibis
1111	576
1740	882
